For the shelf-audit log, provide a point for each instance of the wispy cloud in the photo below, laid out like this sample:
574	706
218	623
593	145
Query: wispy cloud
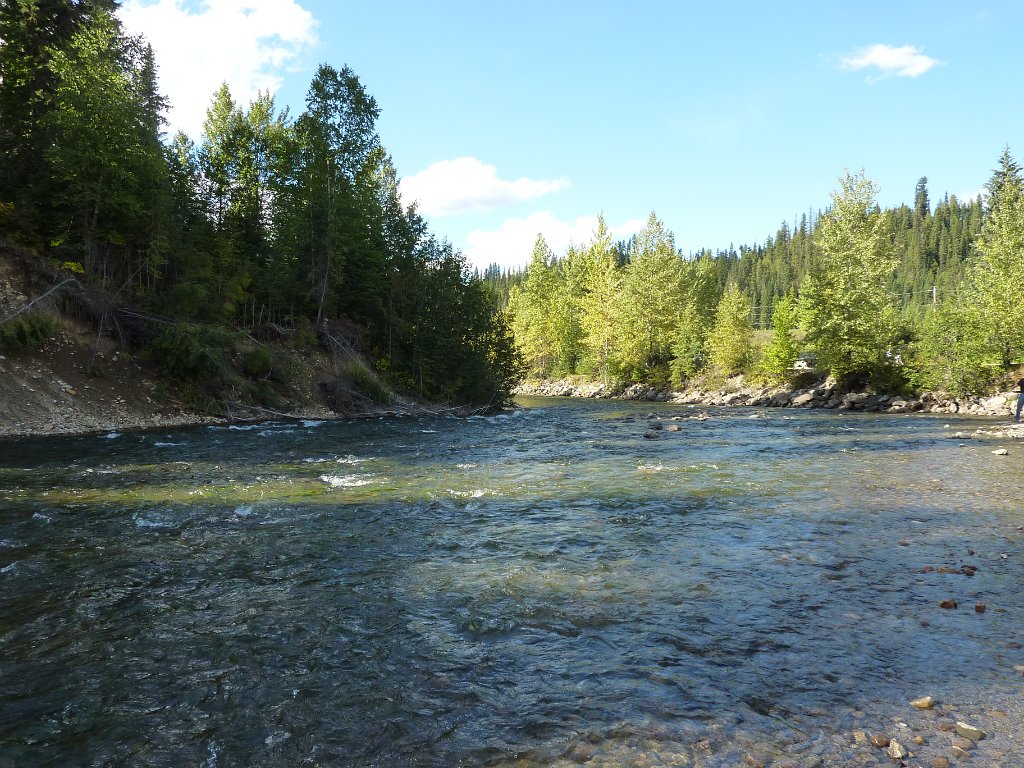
246	43
889	61
512	243
466	185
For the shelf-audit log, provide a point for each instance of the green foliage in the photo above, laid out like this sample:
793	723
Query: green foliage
650	299
28	331
195	352
689	347
729	342
782	351
996	276
365	381
846	308
599	303
257	363
951	353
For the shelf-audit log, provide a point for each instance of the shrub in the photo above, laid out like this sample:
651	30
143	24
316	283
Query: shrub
365	382
257	363
27	331
193	352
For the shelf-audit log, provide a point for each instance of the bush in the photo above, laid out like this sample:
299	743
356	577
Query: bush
365	382
193	352
27	331
257	363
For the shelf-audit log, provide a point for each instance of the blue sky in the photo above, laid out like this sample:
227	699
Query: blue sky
726	119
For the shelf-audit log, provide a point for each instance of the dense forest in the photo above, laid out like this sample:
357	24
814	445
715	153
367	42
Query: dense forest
269	227
905	298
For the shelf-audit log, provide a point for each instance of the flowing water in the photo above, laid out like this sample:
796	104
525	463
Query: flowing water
544	587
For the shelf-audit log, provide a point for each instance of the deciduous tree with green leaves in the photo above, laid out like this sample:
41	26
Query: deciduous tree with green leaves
729	342
650	301
782	350
847	311
996	276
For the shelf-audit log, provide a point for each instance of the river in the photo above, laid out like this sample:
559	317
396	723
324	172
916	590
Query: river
542	587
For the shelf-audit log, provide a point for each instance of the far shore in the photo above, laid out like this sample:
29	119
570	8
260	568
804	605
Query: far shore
822	395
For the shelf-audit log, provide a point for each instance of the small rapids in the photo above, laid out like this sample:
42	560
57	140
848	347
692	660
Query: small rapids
545	587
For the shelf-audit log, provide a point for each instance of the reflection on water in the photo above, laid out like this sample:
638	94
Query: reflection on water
540	588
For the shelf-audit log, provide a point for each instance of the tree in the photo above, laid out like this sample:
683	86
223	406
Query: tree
729	340
996	276
105	160
922	208
651	299
1009	171
951	353
566	304
846	308
532	316
781	352
600	301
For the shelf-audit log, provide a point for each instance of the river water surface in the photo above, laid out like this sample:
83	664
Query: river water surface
544	587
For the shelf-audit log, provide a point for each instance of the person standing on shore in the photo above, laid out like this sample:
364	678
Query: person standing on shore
1020	401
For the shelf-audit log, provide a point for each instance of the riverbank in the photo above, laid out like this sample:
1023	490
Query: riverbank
823	394
68	387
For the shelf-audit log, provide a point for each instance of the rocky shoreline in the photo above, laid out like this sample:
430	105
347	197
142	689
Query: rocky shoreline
825	395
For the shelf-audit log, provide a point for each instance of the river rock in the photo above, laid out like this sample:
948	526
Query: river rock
965	744
650	435
880	740
925	702
947	604
1000	452
960	754
980	607
672	428
939	762
801	400
970	731
896	751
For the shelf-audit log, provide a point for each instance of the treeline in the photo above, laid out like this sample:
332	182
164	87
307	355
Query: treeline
910	297
269	221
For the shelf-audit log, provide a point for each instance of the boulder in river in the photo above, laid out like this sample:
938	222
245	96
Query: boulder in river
925	702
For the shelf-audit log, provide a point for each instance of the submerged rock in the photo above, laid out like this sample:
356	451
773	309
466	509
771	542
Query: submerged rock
896	750
970	731
925	702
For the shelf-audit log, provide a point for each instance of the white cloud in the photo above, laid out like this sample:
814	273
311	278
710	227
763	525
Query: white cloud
466	185
889	61
246	43
511	245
